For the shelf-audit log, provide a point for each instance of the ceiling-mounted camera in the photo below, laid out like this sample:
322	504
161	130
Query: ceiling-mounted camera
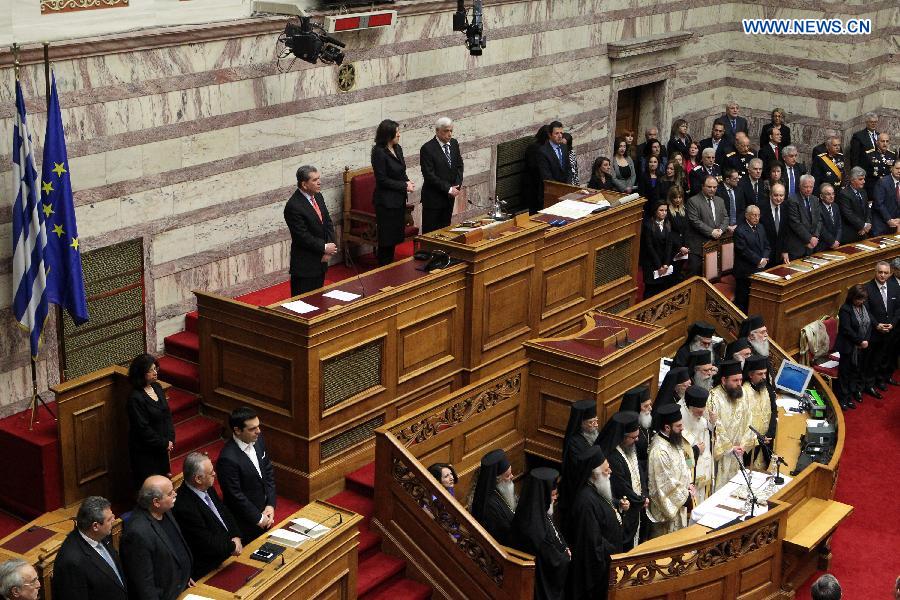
308	41
476	41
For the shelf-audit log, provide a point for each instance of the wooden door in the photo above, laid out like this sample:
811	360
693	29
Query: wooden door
627	110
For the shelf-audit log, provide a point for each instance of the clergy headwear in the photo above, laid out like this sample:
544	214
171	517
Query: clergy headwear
749	324
666	393
615	429
699	358
587	460
756	362
737	345
667	415
729	368
701	328
696	396
580	412
529	523
493	464
634	397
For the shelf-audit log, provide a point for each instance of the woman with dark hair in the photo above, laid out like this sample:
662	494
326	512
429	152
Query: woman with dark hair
624	173
854	331
674	175
628	135
151	434
391	188
445	474
648	181
601	175
573	160
679	139
692	158
653	148
679	224
777	121
771	178
658	247
532	191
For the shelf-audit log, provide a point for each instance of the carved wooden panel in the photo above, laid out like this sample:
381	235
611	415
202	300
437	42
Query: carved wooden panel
89	425
506	309
60	6
711	590
424	344
253	376
478	438
756	578
563	285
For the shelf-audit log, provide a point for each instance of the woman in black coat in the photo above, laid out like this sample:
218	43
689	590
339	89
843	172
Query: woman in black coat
391	188
854	331
151	434
648	182
658	247
678	223
601	175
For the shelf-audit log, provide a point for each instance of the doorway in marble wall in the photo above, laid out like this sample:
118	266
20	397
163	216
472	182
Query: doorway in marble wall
641	107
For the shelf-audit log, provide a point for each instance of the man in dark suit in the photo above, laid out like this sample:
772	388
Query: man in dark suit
740	157
246	475
832	224
87	566
828	166
804	221
706	168
717	141
752	184
442	170
751	254
770	153
792	170
884	308
707	220
733	195
854	205
211	532
877	163
312	233
155	555
823	147
773	218
553	163
886	203
734	123
864	139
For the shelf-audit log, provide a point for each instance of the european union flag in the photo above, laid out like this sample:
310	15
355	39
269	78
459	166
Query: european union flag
65	279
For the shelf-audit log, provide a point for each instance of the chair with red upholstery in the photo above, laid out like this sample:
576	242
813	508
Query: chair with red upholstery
360	225
830	374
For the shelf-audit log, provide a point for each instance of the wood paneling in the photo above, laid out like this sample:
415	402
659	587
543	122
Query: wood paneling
270	384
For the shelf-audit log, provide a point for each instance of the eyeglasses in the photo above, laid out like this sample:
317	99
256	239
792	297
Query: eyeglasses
36	582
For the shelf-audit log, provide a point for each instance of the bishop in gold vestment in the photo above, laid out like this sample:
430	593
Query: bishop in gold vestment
761	404
670	474
728	407
697	434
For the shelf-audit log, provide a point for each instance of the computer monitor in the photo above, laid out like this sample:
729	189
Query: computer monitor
793	378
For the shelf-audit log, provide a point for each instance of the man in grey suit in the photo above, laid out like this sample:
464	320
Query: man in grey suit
708	220
804	220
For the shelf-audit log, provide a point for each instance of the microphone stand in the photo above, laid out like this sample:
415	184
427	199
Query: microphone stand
761	439
749	485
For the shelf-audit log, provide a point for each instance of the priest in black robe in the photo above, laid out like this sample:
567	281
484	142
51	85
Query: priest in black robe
754	329
738	350
699	337
581	434
618	442
494	501
593	528
534	532
672	388
702	369
638	400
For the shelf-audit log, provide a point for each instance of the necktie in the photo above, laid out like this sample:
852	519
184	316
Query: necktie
212	507
447	154
712	209
897	186
756	191
874	139
791	181
808	208
858	195
107	557
734	126
775	148
777	219
830	214
732	216
315	206
884	295
559	156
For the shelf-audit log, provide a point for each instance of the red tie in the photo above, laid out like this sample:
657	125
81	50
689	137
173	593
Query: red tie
315	206
776	153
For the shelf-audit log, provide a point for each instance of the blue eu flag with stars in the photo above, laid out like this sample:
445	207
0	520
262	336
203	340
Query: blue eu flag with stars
65	279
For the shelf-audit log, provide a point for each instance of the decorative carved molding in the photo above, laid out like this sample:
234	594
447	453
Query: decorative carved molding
58	6
670	567
648	44
346	77
470	545
722	316
430	425
666	307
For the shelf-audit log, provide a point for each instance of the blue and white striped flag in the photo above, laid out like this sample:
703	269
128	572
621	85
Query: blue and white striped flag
29	234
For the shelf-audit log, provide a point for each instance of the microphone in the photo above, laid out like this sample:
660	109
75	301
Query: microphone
761	439
349	254
36	527
301	530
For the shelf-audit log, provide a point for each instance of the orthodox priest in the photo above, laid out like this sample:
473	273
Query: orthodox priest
699	337
760	396
494	498
727	403
671	390
534	532
629	480
754	329
738	350
698	433
638	400
670	474
581	433
703	370
593	528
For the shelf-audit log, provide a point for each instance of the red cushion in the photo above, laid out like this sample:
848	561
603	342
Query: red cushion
410	231
829	371
831	326
362	188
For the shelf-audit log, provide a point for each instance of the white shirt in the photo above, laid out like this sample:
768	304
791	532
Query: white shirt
250	451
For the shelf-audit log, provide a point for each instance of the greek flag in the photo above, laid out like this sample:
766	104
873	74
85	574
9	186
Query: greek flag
29	235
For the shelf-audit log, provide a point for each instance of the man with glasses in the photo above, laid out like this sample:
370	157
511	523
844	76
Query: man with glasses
18	580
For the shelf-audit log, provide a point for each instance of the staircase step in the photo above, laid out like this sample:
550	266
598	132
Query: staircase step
183	405
196	433
184	344
352	500
179	373
403	588
378	569
212	450
190	321
369	542
362	480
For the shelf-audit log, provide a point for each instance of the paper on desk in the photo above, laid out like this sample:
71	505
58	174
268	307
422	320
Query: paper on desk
309	528
634	196
572	209
299	306
816	423
834	256
788	404
341	295
829	364
666	273
196	597
716	517
865	247
768	275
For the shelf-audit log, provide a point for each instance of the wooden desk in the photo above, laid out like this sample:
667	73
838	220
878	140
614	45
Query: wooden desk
787	305
318	569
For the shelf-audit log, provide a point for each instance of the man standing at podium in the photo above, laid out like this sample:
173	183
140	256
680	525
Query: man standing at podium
442	170
312	233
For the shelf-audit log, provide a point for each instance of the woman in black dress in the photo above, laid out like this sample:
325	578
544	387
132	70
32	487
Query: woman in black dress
601	175
854	331
678	222
679	140
391	187
657	250
151	434
648	183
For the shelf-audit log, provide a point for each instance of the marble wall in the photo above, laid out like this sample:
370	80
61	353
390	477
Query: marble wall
189	138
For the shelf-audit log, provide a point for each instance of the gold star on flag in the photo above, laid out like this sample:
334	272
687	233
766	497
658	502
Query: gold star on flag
74	243
58	230
47	186
48	210
59	169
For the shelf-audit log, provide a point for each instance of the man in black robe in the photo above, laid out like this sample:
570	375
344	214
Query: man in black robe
534	532
703	371
581	433
738	350
754	329
594	528
699	337
494	499
672	388
618	442
638	400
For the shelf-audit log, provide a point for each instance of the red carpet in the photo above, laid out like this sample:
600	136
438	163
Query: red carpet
35	470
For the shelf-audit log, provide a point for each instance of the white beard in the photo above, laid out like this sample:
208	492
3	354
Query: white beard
508	492
591	436
704	382
603	486
645	420
761	348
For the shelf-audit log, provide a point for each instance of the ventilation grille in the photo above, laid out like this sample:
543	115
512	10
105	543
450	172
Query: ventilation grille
612	263
618	307
350	374
349	438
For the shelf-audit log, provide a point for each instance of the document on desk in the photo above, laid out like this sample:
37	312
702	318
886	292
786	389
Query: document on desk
768	275
196	597
309	528
573	209
299	307
790	405
716	517
341	295
288	537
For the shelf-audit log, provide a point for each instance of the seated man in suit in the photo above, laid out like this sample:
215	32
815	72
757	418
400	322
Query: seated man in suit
442	173
804	221
87	565
751	254
246	475
793	170
19	580
885	204
553	163
854	205
312	233
884	308
707	220
752	184
155	555
832	225
733	195
211	532
717	141
773	217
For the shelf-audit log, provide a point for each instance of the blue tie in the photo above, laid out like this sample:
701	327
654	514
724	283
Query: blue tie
212	507
105	555
559	156
791	183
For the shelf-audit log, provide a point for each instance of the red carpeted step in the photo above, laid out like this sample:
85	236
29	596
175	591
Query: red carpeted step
362	480
183	405
190	321
405	589
184	344
376	570
369	542
352	500
196	433
211	450
179	373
